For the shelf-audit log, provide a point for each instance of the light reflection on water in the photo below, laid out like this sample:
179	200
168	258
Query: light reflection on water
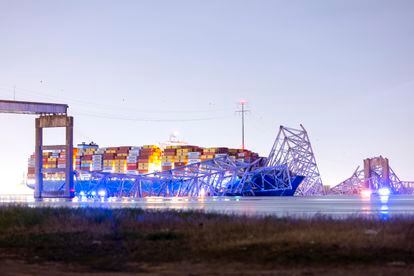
384	214
380	207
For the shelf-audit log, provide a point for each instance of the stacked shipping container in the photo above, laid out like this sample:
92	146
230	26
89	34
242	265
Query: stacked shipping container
149	159
52	159
133	160
178	156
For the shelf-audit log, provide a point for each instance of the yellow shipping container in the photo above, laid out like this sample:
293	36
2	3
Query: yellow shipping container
168	158
150	147
172	147
182	151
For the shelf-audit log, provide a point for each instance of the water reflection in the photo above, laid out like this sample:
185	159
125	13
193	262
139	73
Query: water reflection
384	214
384	199
376	206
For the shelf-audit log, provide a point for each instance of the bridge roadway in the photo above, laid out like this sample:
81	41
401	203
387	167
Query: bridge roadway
333	206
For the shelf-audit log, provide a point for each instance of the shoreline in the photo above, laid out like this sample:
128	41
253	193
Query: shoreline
128	240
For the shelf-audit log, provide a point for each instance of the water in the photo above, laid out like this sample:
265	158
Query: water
333	206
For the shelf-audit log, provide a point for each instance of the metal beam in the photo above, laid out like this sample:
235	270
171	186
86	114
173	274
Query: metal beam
19	107
292	147
375	174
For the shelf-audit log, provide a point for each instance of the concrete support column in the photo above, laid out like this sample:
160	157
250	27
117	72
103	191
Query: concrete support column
367	173
69	187
52	121
39	160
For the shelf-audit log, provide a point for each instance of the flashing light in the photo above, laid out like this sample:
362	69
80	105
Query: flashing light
384	192
202	193
366	193
82	193
102	193
93	193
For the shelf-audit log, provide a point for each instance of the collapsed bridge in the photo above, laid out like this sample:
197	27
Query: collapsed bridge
290	169
376	174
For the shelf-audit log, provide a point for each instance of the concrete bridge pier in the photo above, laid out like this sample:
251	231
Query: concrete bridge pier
52	121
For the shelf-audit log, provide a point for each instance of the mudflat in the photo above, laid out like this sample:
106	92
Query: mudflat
68	241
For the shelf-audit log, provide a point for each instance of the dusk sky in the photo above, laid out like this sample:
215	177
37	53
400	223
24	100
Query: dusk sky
133	72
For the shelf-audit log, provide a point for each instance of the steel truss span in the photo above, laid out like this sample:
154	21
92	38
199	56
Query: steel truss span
290	167
217	177
375	175
293	148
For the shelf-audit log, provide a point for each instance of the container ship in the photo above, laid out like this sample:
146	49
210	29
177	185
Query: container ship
135	160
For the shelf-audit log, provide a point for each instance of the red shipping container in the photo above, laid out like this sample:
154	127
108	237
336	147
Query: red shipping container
109	156
87	157
124	150
179	164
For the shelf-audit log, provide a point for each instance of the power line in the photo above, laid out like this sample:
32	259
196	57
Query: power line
106	106
114	117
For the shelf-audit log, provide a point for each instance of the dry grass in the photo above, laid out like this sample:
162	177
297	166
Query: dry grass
117	240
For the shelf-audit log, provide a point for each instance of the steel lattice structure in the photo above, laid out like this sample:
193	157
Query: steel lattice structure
293	148
352	185
290	163
217	177
377	178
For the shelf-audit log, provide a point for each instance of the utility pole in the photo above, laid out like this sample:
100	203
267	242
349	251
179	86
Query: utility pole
242	111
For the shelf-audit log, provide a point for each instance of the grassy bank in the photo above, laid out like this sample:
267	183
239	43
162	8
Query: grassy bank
129	239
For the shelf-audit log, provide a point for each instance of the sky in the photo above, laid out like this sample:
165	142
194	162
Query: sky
133	72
